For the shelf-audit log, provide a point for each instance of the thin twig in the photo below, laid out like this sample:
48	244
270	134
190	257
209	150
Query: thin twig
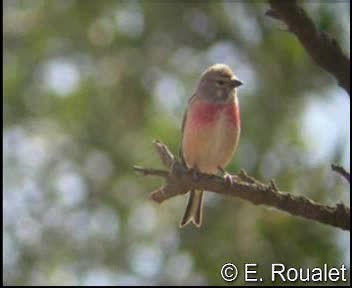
340	170
151	172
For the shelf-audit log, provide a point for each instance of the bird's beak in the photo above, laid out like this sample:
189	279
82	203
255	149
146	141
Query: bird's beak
235	83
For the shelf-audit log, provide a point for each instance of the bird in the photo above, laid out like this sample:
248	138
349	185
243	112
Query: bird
211	130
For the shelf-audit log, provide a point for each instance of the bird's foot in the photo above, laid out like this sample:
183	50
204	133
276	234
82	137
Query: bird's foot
228	177
195	173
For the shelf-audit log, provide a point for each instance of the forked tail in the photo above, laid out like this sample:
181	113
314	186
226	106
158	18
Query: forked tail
194	209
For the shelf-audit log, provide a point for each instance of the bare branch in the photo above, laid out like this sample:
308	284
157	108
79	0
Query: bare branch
341	171
152	172
272	13
323	48
180	180
165	155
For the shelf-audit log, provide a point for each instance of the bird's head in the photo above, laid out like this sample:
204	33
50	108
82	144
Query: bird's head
218	83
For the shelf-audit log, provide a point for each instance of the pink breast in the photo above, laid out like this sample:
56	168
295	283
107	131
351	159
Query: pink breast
211	135
205	113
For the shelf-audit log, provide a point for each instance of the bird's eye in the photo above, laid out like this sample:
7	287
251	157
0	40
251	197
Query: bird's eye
220	82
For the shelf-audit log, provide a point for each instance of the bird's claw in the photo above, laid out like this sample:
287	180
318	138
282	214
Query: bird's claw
195	174
228	177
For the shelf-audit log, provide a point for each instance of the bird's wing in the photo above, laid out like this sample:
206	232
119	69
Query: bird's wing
183	126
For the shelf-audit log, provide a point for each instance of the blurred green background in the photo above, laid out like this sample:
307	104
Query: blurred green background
89	84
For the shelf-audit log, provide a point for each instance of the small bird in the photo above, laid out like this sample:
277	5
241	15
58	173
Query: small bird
210	131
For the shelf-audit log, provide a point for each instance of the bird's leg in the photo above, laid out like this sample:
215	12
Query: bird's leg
228	177
195	173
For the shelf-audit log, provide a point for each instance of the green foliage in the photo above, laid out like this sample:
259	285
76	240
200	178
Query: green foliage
89	84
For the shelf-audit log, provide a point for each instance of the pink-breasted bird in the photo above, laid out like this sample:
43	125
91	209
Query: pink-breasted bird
210	130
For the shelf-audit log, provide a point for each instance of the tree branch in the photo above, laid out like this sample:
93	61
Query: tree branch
323	48
179	180
341	171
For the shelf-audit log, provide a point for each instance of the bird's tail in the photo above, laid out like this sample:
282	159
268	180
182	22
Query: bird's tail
194	209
